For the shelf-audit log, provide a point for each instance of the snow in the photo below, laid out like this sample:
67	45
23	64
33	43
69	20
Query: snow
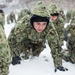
42	65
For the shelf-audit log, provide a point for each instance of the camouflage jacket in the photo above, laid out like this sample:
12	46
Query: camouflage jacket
23	13
26	31
71	29
59	25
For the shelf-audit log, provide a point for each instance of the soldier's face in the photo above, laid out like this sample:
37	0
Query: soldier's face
39	26
53	18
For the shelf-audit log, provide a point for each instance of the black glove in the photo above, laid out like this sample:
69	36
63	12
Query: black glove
16	60
61	68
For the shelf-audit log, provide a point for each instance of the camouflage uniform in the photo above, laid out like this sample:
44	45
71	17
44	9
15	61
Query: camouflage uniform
23	13
11	18
69	15
26	39
62	15
70	42
58	23
73	14
2	18
52	8
4	54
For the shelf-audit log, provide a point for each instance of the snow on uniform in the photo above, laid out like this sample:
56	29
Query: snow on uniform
30	40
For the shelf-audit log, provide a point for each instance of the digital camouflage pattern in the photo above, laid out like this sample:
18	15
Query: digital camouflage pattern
69	15
61	14
24	38
2	20
53	8
59	25
73	14
40	9
23	13
13	43
11	18
4	54
70	42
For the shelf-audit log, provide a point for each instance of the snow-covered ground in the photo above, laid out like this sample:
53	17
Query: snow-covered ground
42	65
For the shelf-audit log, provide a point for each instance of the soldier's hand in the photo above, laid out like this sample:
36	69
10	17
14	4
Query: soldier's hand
61	68
16	60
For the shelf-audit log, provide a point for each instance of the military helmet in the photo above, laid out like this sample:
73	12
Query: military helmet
40	10
53	9
52	6
40	14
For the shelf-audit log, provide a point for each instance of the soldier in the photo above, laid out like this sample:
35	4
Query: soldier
57	21
11	18
31	37
4	53
23	13
69	54
2	18
68	15
61	14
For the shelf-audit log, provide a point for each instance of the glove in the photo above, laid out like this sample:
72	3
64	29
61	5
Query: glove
61	68
16	60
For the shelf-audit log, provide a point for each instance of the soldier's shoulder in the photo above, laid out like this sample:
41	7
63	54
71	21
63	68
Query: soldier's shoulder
60	19
23	23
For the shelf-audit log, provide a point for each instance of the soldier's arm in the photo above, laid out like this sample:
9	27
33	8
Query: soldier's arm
12	43
55	49
4	53
52	37
61	28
